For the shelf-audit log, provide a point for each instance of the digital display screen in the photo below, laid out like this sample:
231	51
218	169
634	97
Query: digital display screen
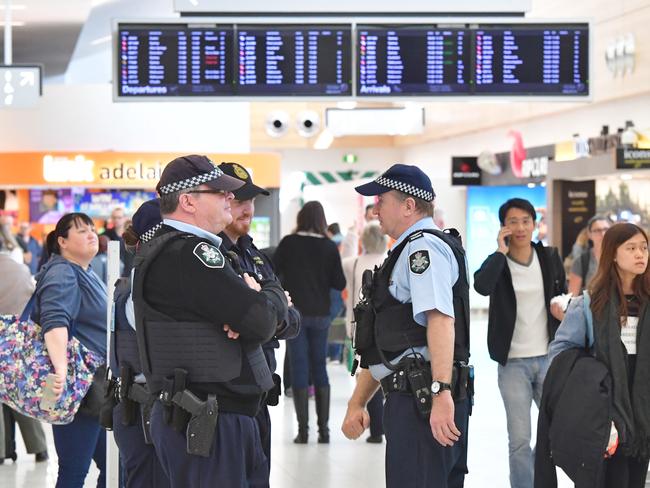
413	60
169	60
532	60
312	60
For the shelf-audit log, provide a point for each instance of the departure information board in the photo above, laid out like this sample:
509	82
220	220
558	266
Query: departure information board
174	60
310	60
413	60
532	60
212	58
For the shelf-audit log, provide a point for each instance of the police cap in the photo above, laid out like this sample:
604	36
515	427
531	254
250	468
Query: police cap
249	190
401	177
194	170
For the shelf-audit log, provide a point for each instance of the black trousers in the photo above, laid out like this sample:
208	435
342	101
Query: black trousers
141	466
625	472
236	458
414	459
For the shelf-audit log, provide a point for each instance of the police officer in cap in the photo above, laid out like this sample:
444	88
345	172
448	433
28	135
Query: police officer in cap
131	416
200	327
236	239
412	331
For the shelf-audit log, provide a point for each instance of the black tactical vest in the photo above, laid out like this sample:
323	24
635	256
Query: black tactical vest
395	330
124	343
164	343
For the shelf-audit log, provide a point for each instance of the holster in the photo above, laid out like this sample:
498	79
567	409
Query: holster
129	407
110	401
418	373
462	385
140	394
202	426
273	395
172	413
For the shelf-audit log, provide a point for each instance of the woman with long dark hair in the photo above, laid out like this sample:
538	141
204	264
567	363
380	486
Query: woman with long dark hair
619	294
309	265
71	301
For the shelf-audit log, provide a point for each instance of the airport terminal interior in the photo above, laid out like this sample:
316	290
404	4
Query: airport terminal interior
542	100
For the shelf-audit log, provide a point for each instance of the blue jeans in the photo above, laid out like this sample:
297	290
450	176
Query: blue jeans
307	353
76	445
520	382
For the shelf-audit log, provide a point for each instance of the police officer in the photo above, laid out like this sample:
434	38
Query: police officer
199	327
131	415
415	341
236	238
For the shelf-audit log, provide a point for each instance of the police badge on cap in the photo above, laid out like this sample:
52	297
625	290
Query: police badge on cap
401	177
249	189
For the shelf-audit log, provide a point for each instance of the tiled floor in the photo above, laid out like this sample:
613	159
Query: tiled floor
343	463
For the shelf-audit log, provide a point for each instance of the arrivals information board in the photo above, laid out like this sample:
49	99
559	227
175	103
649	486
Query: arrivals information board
203	59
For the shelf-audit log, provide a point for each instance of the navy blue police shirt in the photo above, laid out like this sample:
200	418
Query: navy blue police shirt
257	265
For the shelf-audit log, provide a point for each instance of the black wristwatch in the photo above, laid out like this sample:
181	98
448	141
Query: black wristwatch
438	387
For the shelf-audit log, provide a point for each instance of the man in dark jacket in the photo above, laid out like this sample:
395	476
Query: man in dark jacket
520	278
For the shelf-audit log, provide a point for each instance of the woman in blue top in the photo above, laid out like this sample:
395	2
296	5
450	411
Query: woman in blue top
619	295
71	301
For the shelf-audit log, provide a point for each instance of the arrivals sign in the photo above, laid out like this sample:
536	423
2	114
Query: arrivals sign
116	170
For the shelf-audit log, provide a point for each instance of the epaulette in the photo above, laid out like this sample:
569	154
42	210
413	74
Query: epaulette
416	235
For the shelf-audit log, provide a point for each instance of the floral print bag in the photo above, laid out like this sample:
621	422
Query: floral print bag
25	364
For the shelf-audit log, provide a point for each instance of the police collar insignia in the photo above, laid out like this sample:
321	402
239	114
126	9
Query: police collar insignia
258	260
209	255
419	261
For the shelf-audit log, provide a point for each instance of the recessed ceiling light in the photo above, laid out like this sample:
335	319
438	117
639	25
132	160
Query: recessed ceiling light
626	177
14	23
13	7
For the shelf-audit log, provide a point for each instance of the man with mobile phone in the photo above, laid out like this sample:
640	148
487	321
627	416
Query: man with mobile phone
521	277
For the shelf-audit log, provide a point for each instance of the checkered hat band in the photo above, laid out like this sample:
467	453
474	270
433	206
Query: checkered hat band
191	182
147	236
405	188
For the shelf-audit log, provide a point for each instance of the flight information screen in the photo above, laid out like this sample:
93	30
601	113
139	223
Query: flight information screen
174	60
311	60
413	60
532	60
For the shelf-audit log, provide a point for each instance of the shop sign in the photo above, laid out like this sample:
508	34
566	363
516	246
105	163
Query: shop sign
465	171
578	206
116	170
534	167
632	158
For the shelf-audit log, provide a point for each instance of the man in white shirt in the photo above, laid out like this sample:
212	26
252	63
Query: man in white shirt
521	277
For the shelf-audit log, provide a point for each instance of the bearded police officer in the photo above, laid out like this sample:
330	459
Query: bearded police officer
199	327
412	331
236	239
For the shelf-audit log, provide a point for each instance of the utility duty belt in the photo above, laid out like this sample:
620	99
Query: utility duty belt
413	376
187	413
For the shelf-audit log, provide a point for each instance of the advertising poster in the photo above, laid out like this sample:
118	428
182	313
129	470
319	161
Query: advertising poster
48	206
483	218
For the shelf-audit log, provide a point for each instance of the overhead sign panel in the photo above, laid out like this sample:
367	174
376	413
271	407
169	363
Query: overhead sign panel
21	85
532	60
168	60
311	60
221	7
413	60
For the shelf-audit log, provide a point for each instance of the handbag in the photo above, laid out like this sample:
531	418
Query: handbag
25	364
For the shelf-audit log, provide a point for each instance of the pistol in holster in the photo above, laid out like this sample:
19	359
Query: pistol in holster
202	426
173	414
140	394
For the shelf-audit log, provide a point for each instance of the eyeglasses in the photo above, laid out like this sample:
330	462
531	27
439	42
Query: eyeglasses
215	192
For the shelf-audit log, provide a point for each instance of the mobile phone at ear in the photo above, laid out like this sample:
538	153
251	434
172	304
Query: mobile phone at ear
506	239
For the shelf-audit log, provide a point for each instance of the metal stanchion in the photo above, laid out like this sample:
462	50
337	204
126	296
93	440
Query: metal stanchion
112	274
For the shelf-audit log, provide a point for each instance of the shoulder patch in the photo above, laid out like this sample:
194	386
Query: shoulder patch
209	255
419	261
